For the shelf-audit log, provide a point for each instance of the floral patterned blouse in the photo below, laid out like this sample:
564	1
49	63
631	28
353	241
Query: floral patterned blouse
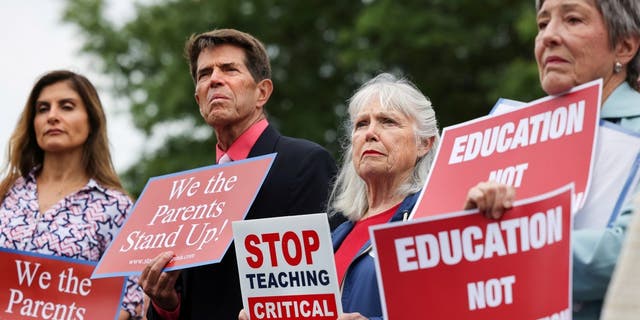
80	226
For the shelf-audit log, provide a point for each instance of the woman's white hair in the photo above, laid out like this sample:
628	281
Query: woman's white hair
349	195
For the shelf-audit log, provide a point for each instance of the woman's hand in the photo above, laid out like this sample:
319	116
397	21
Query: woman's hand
351	316
345	316
491	198
124	315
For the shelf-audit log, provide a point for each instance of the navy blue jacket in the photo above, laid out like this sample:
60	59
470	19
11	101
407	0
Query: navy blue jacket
359	285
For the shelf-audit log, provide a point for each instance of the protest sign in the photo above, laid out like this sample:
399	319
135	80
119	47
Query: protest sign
188	213
286	268
36	286
546	144
615	176
465	266
504	105
615	171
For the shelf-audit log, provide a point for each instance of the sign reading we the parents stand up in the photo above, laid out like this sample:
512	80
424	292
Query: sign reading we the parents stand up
542	146
189	213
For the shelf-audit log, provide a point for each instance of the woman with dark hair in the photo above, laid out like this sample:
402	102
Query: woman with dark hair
60	193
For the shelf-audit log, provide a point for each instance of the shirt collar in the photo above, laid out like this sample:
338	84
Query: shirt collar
621	103
240	148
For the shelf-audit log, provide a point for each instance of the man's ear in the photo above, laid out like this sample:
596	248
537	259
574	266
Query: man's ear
264	88
425	146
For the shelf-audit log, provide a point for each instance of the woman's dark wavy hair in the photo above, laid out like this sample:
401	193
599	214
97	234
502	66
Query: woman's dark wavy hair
25	154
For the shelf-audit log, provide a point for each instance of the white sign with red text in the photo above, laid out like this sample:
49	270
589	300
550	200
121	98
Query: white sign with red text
286	268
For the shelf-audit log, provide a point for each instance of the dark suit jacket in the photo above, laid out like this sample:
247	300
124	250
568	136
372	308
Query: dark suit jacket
298	183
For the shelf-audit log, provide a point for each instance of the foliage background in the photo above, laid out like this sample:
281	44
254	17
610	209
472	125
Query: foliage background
463	54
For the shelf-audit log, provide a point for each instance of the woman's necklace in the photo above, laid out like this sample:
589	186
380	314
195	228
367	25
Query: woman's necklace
50	193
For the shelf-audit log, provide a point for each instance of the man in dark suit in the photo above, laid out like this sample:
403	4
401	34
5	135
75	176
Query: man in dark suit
232	74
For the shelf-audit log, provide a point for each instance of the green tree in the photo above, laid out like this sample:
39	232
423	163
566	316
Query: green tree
463	54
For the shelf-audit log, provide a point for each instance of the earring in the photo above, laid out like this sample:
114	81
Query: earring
617	67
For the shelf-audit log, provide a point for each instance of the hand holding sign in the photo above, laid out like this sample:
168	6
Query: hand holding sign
491	198
532	148
158	285
351	316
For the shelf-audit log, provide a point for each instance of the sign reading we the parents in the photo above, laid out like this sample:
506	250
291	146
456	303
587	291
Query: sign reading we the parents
36	286
189	213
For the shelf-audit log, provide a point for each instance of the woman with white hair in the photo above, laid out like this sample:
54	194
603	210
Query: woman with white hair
392	142
393	134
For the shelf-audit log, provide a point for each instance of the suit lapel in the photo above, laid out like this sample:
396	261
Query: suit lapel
266	143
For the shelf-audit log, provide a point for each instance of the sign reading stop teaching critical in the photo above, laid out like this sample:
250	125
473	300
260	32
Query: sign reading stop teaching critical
542	146
286	268
188	213
36	286
465	266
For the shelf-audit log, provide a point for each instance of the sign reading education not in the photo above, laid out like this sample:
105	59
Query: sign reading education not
36	286
286	268
615	171
465	266
546	144
188	213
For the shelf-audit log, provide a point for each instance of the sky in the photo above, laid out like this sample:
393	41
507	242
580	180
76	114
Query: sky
34	41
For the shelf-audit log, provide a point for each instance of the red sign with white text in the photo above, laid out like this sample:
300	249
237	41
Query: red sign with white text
36	286
296	307
189	213
465	266
542	146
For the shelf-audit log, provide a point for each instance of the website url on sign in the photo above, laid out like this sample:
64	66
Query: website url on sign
140	261
176	258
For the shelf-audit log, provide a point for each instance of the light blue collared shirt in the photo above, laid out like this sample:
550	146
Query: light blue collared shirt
596	251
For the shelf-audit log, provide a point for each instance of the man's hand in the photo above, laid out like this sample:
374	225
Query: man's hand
159	285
